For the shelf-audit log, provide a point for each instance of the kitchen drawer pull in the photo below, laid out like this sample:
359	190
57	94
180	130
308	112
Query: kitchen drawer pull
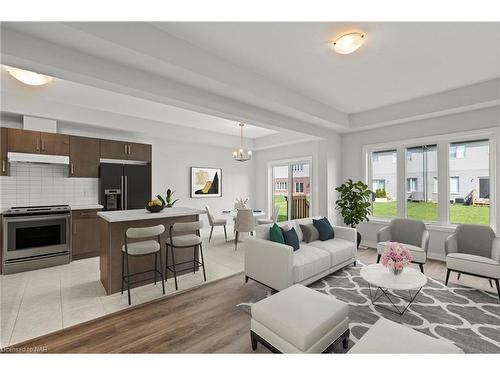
72	169
129	149
37	144
43	145
4	168
125	148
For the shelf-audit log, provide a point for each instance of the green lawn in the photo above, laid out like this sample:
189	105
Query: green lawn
427	211
281	202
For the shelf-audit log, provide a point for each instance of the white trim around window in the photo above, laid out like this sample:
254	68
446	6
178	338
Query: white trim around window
443	148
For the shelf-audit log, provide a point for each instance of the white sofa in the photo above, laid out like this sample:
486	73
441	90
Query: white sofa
278	266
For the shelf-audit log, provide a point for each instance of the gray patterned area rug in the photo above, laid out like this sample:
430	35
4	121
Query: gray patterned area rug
467	317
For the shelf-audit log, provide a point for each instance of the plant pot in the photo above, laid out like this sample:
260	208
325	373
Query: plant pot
396	272
358	238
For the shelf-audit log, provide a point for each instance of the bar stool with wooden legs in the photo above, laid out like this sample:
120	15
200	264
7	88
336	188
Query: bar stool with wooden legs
178	240
140	249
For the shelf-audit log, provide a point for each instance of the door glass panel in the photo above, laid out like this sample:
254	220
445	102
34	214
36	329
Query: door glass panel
280	190
421	172
469	171
384	183
301	197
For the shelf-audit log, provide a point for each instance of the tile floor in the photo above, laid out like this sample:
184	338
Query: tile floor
38	302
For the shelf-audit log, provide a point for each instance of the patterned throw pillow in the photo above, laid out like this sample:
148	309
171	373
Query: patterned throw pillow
324	228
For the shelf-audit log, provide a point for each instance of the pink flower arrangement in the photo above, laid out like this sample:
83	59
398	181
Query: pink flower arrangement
396	257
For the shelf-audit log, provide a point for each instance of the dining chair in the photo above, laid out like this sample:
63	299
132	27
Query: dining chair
215	222
244	223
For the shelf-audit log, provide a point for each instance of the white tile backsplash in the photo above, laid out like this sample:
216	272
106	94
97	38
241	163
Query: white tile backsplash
33	184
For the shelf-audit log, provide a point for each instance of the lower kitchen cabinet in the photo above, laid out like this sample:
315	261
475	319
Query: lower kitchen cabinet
84	234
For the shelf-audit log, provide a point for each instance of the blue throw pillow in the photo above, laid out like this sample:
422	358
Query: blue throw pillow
291	238
324	228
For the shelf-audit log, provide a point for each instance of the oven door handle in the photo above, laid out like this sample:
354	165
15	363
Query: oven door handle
11	219
122	194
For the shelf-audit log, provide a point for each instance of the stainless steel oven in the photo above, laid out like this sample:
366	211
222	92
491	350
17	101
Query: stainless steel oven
35	237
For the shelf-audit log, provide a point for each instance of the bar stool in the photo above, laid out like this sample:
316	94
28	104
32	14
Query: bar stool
140	249
177	240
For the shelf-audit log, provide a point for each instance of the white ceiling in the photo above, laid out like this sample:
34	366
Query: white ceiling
74	94
398	62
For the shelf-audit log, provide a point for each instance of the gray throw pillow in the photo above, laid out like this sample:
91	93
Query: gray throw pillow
309	232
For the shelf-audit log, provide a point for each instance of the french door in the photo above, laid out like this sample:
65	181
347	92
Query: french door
291	189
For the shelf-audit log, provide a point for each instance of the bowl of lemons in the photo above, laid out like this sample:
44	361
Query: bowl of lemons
155	206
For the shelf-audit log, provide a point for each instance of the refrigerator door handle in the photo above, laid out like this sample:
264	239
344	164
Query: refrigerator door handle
126	192
122	193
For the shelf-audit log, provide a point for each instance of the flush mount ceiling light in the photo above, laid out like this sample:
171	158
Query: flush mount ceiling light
349	42
241	154
29	78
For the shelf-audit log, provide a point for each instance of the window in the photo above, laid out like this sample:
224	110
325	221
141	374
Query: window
469	170
435	186
299	187
421	168
455	185
298	167
411	184
384	183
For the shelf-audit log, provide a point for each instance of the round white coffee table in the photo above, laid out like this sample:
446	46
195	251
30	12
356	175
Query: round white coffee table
384	280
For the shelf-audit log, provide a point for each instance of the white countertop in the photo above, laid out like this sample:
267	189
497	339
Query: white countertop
86	206
143	214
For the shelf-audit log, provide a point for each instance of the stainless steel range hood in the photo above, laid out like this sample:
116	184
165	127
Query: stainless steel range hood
37	158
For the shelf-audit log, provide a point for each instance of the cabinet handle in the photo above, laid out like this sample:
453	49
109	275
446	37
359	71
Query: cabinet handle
37	144
43	145
129	149
72	169
4	168
74	228
125	148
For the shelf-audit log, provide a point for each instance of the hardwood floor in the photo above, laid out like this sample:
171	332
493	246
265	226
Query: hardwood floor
201	320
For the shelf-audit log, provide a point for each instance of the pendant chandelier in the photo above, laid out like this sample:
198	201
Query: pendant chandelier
241	154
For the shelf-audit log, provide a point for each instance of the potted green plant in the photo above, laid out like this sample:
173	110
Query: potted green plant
354	203
168	202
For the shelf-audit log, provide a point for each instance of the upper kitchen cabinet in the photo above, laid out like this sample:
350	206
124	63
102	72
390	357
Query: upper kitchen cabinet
125	150
139	151
4	165
113	149
34	142
20	140
83	157
54	144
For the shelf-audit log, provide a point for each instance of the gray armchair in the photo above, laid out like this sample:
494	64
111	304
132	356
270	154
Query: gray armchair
412	233
474	250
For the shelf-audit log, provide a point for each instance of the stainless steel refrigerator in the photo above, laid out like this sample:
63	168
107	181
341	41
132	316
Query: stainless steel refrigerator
124	186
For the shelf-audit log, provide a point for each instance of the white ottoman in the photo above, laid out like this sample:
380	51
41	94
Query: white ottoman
299	320
388	337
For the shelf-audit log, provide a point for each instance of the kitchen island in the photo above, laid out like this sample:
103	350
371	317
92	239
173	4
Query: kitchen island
114	224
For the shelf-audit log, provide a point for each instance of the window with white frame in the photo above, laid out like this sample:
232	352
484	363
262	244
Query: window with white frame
299	187
384	183
468	175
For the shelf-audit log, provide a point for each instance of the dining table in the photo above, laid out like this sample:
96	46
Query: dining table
256	214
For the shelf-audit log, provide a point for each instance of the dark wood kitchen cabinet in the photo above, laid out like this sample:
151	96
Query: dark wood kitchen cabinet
139	151
4	163
84	156
85	239
34	142
20	140
54	144
113	149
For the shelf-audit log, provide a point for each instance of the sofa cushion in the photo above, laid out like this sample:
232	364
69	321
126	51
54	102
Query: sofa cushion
300	315
474	264
309	261
275	234
324	228
291	238
340	250
417	253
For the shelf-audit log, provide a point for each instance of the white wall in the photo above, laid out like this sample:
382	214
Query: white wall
352	156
